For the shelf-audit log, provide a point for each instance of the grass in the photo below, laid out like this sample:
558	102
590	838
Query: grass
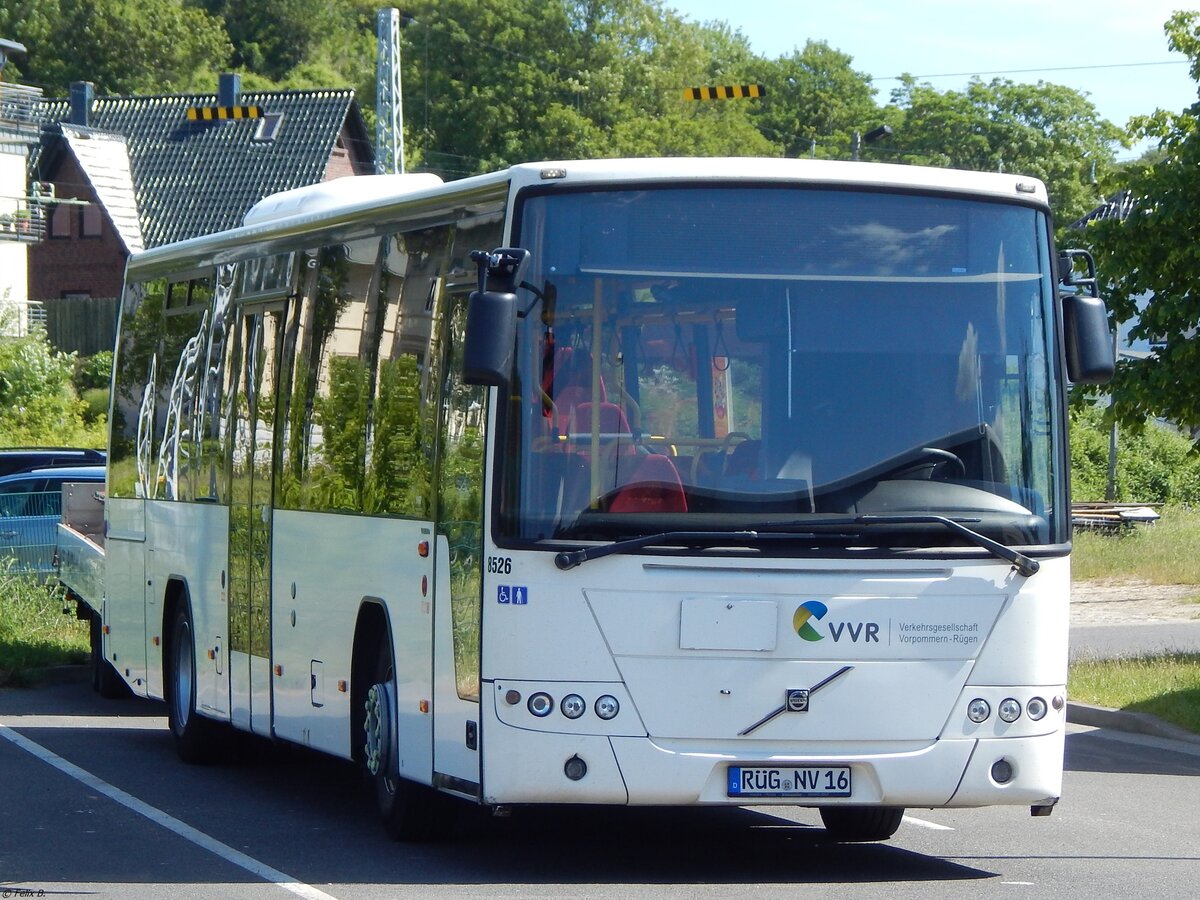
34	631
1167	552
1166	686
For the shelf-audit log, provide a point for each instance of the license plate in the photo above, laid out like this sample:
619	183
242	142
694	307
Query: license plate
789	781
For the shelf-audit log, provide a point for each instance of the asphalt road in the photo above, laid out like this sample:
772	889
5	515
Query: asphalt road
1134	639
93	802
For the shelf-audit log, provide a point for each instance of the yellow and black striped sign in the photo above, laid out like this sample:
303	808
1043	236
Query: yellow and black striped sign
221	113
728	92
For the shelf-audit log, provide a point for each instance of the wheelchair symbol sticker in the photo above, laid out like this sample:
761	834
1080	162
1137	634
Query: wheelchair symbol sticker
512	594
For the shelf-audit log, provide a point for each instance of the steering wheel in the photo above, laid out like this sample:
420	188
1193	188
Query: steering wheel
931	458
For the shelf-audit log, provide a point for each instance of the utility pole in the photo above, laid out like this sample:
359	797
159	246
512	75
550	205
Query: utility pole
389	104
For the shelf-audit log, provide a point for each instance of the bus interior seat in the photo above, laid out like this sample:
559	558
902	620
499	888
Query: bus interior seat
568	382
745	460
653	487
708	467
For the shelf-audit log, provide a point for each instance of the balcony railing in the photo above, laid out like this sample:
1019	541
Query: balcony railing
23	219
20	111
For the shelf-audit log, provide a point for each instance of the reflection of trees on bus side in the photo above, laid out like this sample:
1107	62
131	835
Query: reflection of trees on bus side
460	499
141	321
399	480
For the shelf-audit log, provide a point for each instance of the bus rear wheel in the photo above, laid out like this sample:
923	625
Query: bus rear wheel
409	811
105	680
861	824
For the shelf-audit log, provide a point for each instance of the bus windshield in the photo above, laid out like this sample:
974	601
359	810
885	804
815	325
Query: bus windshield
730	358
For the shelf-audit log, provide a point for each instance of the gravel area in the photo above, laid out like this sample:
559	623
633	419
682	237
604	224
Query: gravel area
1133	601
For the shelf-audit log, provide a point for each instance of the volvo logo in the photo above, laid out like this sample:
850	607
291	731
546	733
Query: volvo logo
795	700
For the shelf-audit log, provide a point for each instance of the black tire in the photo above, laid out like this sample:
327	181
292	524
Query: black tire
409	811
198	740
861	824
105	680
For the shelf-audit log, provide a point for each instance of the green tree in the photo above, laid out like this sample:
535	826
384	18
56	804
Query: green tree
814	101
1045	130
493	82
1154	253
274	37
122	46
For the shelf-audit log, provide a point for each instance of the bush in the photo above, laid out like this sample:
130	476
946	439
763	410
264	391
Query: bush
38	402
95	401
1155	464
92	372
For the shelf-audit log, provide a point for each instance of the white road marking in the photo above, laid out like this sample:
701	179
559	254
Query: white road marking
922	823
157	816
138	723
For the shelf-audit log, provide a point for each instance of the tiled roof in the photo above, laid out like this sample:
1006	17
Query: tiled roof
104	160
1118	207
196	177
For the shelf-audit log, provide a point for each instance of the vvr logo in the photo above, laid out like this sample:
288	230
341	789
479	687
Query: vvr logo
811	609
868	632
810	612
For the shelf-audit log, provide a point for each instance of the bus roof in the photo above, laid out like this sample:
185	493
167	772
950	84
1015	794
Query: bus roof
350	199
811	171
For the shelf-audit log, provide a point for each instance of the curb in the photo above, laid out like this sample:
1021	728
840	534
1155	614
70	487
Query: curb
1123	720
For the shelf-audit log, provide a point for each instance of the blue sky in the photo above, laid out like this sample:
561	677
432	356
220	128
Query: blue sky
951	37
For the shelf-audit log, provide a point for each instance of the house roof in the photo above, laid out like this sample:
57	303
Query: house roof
105	161
1118	207
194	177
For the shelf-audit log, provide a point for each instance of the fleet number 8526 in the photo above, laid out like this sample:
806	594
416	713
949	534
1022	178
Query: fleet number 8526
499	565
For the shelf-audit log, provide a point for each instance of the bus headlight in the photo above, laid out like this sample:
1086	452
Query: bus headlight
573	706
1036	708
607	707
1009	710
541	704
978	710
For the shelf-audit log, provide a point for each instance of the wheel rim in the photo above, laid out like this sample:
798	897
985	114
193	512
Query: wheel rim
377	730
184	674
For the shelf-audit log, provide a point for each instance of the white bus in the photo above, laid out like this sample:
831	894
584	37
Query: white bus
727	482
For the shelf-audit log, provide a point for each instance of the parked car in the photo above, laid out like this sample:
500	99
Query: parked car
30	508
23	459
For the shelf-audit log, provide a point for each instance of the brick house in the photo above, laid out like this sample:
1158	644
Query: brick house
160	169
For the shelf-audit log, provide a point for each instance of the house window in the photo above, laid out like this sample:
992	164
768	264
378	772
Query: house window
268	127
60	221
91	220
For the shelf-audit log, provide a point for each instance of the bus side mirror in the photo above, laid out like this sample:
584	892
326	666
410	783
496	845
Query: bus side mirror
1091	355
488	350
492	317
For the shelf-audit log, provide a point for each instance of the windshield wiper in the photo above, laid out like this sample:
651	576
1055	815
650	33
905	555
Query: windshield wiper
1026	565
569	559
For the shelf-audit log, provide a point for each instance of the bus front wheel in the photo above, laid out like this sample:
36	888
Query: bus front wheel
197	739
861	824
410	811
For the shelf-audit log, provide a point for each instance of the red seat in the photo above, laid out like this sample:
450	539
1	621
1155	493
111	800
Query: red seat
653	487
568	382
